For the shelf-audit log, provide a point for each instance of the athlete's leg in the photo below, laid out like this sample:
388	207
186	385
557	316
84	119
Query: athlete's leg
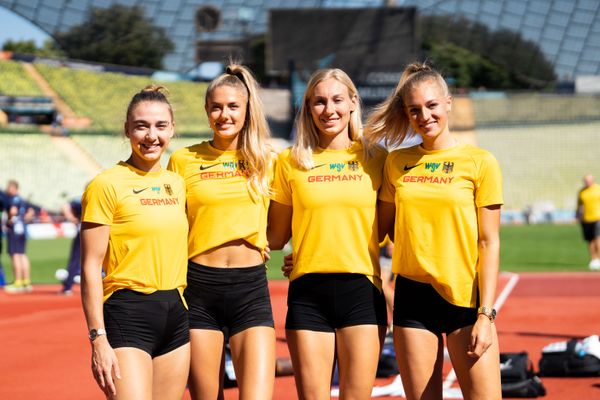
312	357
420	355
170	373
136	374
594	248
358	349
26	267
478	378
207	360
253	356
15	259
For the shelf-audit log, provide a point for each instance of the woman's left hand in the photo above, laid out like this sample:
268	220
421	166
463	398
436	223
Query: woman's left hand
481	337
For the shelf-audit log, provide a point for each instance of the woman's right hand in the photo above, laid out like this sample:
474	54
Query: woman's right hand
288	265
105	365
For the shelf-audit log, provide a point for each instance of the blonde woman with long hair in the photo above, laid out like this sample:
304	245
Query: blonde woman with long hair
325	196
440	202
228	187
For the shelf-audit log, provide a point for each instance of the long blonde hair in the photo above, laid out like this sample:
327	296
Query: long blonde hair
389	123
255	133
307	133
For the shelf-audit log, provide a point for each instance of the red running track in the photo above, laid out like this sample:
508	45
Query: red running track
44	351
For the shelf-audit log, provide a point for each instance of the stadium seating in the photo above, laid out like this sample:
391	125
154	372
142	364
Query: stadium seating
500	109
103	97
108	149
15	81
543	164
47	177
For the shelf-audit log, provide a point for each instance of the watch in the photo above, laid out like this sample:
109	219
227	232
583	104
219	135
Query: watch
488	312
94	333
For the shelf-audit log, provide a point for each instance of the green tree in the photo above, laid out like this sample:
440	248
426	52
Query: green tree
48	49
519	62
20	46
117	35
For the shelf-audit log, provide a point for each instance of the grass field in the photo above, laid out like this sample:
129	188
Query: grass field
523	248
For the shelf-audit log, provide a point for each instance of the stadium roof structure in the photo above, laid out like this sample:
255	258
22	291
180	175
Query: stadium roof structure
567	31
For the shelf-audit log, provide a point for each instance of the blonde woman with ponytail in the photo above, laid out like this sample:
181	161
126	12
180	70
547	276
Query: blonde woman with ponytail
228	182
325	196
134	229
440	202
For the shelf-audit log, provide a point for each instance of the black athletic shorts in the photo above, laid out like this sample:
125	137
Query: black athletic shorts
419	305
230	300
156	323
326	302
16	243
591	230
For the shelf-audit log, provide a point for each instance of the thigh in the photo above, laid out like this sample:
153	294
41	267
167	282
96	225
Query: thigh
136	374
358	348
253	356
170	373
312	355
420	355
479	378
206	363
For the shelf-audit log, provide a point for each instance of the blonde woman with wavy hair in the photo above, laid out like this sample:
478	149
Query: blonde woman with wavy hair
228	186
440	202
325	196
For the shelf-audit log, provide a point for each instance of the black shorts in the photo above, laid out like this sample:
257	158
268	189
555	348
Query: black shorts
156	323
16	243
419	305
591	230
326	302
230	300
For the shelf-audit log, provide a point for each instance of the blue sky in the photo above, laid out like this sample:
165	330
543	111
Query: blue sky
16	27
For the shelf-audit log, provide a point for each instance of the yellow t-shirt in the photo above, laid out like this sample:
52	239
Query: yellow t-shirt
148	228
334	223
219	205
590	199
437	194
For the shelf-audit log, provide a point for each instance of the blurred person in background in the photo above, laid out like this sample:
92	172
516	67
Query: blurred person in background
440	203
228	182
134	228
72	213
325	199
2	208
19	215
588	215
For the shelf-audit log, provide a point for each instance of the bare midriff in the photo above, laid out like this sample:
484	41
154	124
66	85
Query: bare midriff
234	254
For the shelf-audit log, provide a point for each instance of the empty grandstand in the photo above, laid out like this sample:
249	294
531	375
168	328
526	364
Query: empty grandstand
102	97
15	81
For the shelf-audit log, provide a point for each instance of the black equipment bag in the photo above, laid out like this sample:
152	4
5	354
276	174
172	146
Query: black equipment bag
517	376
574	360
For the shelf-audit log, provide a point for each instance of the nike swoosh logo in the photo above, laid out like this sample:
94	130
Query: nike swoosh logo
203	167
139	191
407	168
317	166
